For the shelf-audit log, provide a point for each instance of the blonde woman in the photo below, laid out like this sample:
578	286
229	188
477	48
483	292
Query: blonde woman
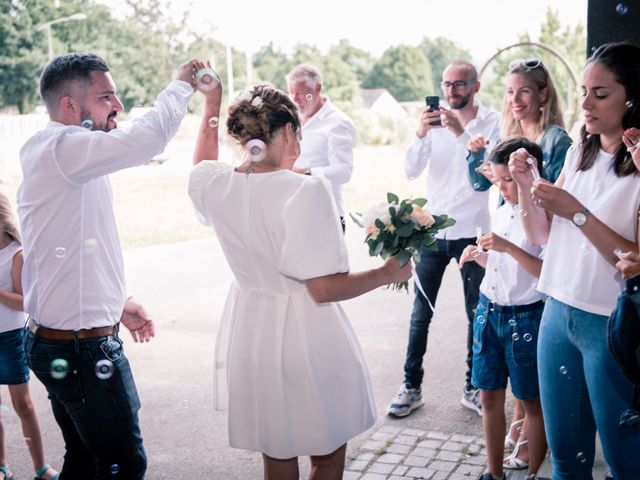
13	364
530	109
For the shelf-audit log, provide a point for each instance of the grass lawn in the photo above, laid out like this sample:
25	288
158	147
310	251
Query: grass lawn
152	206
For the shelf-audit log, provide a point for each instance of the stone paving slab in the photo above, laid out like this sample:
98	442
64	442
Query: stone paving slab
396	453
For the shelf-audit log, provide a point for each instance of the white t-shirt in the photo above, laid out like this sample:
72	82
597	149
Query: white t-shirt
73	275
10	319
505	281
448	188
327	148
573	271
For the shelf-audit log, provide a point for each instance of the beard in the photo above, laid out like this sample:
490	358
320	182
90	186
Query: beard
97	126
458	103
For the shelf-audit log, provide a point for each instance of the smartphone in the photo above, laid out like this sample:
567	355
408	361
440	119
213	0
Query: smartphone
433	101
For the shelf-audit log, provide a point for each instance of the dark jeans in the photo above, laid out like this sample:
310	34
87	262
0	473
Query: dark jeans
98	416
430	270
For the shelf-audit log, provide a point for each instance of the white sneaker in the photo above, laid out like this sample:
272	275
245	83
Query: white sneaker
471	400
405	402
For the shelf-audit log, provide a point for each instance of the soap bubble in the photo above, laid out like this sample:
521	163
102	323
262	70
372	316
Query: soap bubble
527	337
207	79
59	368
104	369
515	337
214	122
87	123
512	322
622	9
115	469
256	149
563	370
60	252
309	97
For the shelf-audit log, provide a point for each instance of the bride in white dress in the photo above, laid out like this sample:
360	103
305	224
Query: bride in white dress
288	365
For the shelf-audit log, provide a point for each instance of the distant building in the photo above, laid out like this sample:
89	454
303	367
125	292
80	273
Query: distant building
412	108
382	103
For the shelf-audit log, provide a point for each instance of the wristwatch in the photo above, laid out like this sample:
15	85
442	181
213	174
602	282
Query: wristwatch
580	218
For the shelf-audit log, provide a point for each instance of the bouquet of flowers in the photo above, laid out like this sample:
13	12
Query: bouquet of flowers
401	228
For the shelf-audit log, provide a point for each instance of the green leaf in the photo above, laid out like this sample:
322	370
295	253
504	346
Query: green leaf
421	202
357	220
392	198
378	249
405	230
379	224
403	257
392	211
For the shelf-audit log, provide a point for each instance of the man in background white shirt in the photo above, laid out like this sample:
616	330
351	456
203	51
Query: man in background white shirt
73	277
444	149
328	134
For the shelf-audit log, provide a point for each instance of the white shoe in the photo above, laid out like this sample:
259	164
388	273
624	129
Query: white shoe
471	400
405	401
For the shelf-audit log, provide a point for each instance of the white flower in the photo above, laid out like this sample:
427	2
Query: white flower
244	96
380	212
257	102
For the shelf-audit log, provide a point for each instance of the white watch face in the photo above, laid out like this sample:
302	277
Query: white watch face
579	218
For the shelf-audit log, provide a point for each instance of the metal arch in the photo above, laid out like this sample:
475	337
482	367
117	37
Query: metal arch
572	74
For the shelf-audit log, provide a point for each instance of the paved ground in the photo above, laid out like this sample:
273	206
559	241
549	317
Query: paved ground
184	286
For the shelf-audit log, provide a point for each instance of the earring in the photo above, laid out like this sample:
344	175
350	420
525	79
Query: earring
629	103
542	107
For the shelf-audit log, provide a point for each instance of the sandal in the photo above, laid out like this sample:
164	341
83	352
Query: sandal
512	462
6	472
41	472
515	427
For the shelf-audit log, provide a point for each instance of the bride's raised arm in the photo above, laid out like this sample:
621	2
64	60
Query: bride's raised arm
209	84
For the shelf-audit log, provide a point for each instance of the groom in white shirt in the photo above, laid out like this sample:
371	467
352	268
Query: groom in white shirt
328	134
73	277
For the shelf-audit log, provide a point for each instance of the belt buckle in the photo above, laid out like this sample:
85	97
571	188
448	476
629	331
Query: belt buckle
33	326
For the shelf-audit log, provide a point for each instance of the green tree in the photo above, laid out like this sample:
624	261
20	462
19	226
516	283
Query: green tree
404	71
271	65
21	52
359	61
441	52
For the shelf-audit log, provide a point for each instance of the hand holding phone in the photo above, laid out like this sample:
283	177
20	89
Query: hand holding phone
433	102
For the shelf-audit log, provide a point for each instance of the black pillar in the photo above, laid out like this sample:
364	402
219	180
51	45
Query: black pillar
612	21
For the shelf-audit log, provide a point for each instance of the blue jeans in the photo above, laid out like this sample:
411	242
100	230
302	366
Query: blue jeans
430	270
505	340
98	416
582	389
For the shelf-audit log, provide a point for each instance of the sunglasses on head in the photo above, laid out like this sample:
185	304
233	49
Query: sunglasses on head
527	63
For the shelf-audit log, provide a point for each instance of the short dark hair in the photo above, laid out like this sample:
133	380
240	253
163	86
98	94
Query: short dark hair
68	68
500	154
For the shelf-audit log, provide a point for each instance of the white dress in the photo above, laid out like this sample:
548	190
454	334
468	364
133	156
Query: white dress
290	371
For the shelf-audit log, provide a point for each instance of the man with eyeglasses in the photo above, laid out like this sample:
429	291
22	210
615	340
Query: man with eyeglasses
443	148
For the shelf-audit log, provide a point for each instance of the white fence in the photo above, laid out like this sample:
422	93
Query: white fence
14	131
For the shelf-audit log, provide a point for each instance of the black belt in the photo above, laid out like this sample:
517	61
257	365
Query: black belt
515	309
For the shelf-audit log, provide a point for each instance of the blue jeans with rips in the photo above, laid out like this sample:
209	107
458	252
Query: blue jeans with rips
96	411
582	389
430	270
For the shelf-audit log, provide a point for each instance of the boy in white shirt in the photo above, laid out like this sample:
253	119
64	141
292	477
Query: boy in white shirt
505	327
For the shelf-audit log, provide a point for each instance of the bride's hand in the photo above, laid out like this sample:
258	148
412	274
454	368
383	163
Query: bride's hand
394	273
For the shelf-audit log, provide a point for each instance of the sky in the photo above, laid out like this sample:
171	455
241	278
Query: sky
480	26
